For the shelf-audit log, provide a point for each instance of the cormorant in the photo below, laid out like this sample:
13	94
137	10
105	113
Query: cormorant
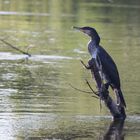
104	60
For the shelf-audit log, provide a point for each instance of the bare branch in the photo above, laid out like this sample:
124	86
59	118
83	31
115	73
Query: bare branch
87	67
10	45
83	91
91	87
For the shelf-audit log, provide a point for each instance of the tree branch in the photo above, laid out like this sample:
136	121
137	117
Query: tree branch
10	45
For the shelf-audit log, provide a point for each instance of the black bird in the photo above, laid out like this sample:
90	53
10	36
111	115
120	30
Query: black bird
104	60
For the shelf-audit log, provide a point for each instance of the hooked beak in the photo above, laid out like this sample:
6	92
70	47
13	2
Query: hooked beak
78	28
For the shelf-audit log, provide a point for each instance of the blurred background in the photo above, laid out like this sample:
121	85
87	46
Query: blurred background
36	99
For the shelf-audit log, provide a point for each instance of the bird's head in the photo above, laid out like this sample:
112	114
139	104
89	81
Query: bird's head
90	32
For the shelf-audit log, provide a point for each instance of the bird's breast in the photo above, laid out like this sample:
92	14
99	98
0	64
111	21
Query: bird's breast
93	51
94	54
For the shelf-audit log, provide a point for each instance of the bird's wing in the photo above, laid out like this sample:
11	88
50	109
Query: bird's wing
109	67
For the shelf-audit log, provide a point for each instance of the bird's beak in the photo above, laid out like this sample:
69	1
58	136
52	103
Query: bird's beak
78	28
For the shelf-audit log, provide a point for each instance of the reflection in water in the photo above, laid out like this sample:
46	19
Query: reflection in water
115	131
36	101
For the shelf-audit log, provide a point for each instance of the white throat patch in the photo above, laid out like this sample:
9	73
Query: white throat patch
94	55
92	49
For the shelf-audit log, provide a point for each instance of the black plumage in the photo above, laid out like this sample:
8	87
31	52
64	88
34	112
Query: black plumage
105	63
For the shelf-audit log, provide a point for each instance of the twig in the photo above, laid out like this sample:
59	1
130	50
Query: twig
94	93
83	91
91	87
87	67
10	45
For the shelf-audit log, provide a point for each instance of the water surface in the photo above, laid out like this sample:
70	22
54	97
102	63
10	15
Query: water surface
36	99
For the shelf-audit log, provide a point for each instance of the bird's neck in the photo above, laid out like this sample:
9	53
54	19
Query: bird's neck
95	40
92	46
94	43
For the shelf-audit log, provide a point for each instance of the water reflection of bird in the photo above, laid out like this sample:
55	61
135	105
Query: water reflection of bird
104	62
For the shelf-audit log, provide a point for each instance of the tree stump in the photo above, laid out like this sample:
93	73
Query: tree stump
117	111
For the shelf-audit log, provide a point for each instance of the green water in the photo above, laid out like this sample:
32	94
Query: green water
36	100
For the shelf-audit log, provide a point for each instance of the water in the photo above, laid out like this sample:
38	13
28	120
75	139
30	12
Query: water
36	99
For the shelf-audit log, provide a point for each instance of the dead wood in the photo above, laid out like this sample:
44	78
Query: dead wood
15	48
117	111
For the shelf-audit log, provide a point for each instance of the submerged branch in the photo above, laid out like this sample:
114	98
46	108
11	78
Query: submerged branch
10	45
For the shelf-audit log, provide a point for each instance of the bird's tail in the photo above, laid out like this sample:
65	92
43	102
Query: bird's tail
120	98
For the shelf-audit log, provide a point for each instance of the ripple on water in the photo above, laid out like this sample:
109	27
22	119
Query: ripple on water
24	124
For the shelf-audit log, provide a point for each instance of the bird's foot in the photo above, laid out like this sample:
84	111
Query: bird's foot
91	62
